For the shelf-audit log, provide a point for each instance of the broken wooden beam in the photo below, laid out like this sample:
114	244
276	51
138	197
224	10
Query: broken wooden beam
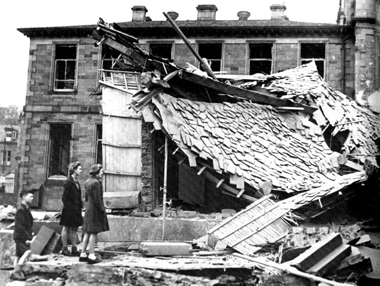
322	256
228	188
290	270
254	96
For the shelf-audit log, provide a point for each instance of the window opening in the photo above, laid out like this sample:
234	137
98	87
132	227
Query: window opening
316	52
213	53
260	58
161	50
59	155
99	140
6	158
65	65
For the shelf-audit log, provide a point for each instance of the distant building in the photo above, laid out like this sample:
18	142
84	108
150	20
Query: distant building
9	135
62	122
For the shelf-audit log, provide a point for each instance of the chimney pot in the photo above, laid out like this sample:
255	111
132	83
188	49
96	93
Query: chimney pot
174	15
278	12
206	12
243	15
139	13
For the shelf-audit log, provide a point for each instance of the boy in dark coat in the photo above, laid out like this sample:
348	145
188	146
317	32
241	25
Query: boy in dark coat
22	234
71	217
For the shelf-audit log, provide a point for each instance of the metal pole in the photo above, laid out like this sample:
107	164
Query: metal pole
178	30
165	188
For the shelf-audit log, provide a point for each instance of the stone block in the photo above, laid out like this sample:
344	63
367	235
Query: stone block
7	249
165	248
40	244
140	229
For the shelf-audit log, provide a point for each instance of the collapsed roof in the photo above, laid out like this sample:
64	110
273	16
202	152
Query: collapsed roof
267	133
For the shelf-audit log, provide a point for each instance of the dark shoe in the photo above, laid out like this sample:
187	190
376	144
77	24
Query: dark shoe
83	259
18	276
65	252
75	253
93	261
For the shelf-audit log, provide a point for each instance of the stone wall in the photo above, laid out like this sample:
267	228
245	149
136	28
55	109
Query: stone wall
147	190
44	106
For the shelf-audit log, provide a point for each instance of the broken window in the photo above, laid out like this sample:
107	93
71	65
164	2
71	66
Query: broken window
6	158
109	57
65	66
161	50
99	140
316	52
213	54
260	58
60	145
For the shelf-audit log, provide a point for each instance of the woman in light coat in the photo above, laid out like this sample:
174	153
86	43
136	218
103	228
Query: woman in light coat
95	218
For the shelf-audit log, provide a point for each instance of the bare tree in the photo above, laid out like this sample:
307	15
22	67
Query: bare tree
9	114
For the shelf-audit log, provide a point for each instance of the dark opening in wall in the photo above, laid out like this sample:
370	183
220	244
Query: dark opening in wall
99	140
186	189
59	151
161	50
260	58
314	52
335	142
213	53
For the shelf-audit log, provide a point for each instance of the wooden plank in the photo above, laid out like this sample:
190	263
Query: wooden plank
115	183
129	174
254	96
122	160
122	146
290	270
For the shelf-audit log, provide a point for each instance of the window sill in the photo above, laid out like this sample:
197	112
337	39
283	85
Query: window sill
62	93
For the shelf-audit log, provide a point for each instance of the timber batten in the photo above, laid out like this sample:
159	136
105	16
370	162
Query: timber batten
121	150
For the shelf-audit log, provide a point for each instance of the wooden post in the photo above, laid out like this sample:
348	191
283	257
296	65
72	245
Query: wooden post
165	188
178	30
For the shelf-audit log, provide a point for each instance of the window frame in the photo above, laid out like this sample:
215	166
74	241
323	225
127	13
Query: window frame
222	55
172	43
258	42
54	66
325	60
98	143
6	157
50	147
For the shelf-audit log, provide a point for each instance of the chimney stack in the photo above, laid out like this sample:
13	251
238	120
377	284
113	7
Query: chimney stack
139	13
206	12
278	12
173	15
243	15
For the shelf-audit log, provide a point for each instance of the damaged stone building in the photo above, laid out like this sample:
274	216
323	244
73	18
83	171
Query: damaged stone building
63	116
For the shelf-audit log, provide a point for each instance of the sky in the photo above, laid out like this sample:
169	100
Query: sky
14	46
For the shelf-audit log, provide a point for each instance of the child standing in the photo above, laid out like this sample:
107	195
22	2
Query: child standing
22	234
